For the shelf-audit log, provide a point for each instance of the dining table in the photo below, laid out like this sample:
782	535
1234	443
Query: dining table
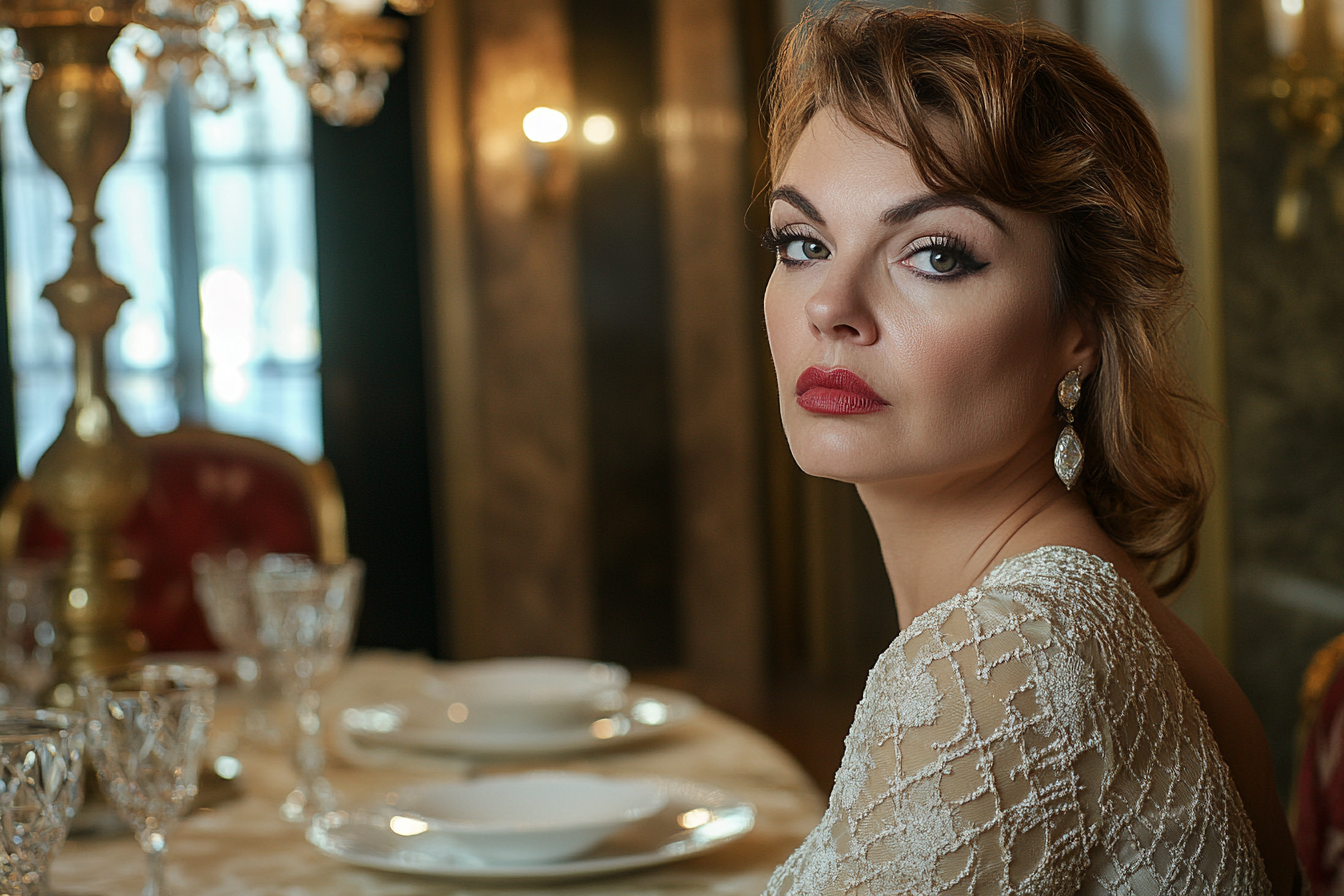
238	845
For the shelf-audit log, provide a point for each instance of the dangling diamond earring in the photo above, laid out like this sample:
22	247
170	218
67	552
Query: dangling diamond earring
1069	450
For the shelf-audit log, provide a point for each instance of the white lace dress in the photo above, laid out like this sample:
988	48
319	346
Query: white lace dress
1031	736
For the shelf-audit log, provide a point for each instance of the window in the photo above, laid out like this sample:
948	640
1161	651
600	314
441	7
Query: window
209	223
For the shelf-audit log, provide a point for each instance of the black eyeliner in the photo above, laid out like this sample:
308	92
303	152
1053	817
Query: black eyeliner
953	244
776	239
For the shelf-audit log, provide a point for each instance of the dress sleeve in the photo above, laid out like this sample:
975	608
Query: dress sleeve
975	765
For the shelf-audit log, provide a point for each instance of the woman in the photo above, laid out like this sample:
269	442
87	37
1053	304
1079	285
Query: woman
970	320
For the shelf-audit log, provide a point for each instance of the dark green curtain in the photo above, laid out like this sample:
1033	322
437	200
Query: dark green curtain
373	366
9	452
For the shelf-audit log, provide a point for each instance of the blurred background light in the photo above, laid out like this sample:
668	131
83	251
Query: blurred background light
599	129
545	125
227	317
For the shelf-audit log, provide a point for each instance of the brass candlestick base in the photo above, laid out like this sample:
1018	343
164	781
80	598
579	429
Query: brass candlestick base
79	120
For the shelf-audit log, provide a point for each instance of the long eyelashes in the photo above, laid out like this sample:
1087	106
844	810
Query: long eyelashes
774	240
940	256
946	256
777	241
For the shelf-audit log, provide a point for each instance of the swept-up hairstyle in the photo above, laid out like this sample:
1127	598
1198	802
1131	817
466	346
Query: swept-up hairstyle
1041	126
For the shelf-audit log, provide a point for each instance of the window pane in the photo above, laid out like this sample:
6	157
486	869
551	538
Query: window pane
38	248
255	229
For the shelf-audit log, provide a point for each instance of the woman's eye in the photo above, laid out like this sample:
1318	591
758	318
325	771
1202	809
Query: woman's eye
805	250
935	260
943	260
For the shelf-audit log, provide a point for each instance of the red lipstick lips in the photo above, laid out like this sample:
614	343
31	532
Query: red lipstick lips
836	391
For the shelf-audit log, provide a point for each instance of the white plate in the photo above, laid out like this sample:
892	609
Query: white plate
696	819
416	725
525	819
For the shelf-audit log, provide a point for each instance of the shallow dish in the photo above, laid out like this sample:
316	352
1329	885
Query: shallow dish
413	724
530	819
696	818
525	693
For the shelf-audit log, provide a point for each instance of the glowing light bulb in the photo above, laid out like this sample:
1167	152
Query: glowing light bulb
1291	7
599	129
545	125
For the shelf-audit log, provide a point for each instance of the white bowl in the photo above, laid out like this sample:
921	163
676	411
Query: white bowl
527	693
696	819
526	819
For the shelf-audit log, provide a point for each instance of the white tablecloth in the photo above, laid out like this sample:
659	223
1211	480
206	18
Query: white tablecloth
241	847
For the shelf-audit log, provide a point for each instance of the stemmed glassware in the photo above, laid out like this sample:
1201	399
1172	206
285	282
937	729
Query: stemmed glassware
224	591
306	613
147	733
27	636
41	766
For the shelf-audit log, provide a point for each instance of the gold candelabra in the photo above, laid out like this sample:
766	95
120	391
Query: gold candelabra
79	120
78	115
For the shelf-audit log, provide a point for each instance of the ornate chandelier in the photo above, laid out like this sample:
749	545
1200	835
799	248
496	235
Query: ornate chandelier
341	51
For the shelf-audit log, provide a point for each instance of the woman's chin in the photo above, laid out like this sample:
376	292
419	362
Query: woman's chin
843	466
848	456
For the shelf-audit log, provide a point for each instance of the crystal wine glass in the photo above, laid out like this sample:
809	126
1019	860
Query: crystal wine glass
307	612
41	766
27	636
147	732
224	591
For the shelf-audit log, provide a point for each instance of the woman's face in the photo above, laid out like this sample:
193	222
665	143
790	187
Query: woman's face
911	331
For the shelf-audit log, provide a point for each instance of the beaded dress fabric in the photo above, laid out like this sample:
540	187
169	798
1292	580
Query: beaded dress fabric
1031	736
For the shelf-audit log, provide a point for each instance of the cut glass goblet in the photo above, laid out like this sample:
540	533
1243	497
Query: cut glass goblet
306	613
224	591
27	635
147	734
41	767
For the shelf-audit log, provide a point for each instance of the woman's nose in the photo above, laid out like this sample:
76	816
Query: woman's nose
838	312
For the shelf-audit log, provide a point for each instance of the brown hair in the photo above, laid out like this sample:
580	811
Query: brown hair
1044	128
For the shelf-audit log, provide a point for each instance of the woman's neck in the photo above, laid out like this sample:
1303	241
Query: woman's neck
940	539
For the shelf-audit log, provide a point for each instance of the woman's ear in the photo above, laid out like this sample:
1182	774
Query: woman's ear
1079	343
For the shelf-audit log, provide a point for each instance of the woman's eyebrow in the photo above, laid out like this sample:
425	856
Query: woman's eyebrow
798	201
898	214
908	211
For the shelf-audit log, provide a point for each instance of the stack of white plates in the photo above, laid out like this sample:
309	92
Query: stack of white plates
519	707
542	825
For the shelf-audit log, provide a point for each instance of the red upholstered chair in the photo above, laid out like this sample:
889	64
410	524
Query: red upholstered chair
209	492
1319	795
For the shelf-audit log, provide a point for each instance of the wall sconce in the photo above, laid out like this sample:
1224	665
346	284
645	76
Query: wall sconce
544	126
1305	89
548	158
552	144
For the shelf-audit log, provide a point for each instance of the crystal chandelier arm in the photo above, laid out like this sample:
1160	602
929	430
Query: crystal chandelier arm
349	60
